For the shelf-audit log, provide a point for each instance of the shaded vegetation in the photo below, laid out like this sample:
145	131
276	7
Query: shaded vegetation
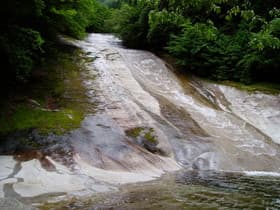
29	30
223	40
134	132
54	102
25	117
37	66
269	88
146	138
237	40
147	133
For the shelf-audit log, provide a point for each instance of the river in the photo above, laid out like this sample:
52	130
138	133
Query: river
157	141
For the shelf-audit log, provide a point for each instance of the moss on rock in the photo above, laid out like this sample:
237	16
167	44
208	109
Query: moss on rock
55	102
134	132
146	138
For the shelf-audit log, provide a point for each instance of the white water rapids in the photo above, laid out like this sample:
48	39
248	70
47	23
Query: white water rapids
198	125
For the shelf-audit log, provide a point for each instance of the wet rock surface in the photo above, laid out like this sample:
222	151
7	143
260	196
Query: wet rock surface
148	122
188	190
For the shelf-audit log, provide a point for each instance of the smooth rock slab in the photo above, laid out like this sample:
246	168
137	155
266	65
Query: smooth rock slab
3	182
7	164
38	181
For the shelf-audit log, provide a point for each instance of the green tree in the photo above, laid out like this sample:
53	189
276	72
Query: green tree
30	27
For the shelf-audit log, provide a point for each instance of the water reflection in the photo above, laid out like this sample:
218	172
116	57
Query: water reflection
189	190
206	190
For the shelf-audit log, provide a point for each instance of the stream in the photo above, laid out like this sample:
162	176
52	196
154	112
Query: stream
157	141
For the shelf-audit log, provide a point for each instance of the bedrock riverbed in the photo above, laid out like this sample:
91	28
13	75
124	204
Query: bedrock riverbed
149	122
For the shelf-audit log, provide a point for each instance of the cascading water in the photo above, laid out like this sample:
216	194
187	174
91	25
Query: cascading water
151	121
205	126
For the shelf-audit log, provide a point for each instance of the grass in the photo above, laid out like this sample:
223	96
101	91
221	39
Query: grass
270	88
57	87
149	136
134	132
26	117
147	133
148	139
265	87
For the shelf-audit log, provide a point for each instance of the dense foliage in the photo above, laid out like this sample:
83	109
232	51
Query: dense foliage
221	39
29	27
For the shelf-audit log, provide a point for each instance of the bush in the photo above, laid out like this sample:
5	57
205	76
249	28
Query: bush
26	25
162	25
221	39
21	46
192	47
134	25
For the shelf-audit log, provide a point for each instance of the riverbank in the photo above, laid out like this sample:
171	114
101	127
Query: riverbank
54	101
264	87
148	122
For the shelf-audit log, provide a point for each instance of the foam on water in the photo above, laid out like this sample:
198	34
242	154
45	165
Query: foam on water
261	173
